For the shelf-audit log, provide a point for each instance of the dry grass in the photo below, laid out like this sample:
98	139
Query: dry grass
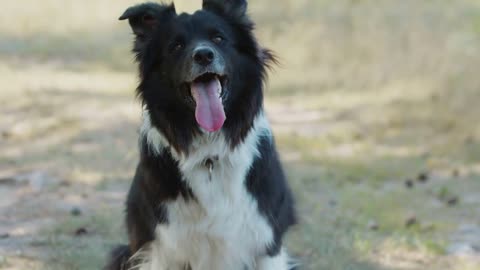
369	93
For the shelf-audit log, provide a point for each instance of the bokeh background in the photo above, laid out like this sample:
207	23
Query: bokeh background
375	108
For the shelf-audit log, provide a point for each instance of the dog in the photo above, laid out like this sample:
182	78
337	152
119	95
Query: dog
209	192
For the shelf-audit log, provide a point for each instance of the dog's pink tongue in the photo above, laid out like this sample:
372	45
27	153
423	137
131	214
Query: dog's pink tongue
209	111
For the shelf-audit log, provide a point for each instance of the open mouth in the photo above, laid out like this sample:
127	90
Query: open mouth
209	77
207	90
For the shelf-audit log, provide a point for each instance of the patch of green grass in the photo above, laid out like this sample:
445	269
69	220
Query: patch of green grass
342	228
75	250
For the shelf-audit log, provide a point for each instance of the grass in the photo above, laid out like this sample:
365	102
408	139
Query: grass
74	250
368	95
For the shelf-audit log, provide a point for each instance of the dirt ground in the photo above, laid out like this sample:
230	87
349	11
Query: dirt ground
374	108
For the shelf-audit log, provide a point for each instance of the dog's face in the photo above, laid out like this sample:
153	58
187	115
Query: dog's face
198	60
200	71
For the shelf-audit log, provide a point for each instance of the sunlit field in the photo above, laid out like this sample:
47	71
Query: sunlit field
375	108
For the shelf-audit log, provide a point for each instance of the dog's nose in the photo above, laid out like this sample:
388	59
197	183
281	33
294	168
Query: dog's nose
203	56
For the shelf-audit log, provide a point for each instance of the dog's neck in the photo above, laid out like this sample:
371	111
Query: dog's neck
207	148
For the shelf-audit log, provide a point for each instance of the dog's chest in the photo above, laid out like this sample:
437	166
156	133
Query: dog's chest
221	228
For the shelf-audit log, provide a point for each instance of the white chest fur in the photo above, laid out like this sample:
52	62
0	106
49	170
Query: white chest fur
222	228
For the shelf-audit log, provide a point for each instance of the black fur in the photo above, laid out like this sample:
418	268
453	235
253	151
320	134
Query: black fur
266	182
119	258
162	46
161	70
156	180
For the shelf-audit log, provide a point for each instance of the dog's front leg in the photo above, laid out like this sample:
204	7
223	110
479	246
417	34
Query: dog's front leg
276	262
155	258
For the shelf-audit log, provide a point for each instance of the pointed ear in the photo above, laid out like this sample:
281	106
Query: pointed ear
144	18
235	8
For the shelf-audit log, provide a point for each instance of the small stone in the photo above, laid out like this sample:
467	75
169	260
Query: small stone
7	180
65	183
81	231
455	173
373	225
332	203
4	235
423	177
76	211
452	201
409	183
412	220
6	134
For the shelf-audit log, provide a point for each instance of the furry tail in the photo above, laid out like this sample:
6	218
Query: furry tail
118	259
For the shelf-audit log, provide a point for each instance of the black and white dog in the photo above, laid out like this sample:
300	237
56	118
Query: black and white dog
209	192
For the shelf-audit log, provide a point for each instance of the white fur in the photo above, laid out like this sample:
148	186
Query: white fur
155	140
222	229
279	262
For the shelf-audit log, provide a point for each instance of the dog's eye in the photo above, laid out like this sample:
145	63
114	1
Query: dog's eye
217	39
177	46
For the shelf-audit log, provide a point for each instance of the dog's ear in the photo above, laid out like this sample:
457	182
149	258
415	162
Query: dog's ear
234	8
144	18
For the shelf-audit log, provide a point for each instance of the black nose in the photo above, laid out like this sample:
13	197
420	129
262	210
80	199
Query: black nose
203	56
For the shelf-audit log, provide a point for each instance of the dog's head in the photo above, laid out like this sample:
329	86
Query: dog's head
200	72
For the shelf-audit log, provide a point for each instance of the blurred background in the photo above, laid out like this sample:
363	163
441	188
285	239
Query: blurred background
375	108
